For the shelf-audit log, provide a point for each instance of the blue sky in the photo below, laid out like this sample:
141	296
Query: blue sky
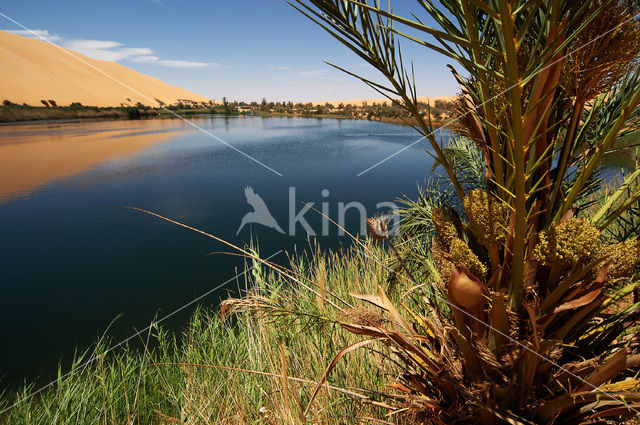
241	49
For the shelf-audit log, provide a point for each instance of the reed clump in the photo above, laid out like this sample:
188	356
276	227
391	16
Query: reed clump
254	361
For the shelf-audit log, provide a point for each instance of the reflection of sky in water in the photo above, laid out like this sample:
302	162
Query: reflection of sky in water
70	263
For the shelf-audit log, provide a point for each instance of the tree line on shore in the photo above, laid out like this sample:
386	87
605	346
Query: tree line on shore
385	111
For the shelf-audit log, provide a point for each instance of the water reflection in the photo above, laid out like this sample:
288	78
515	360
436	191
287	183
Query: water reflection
32	155
70	263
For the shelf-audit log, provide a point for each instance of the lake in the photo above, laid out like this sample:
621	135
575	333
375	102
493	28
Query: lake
70	263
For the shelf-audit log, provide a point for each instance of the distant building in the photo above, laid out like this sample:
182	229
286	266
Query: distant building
188	102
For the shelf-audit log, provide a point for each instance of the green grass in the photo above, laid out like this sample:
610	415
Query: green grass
15	113
183	379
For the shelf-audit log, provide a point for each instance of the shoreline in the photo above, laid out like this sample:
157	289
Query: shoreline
10	112
16	114
64	114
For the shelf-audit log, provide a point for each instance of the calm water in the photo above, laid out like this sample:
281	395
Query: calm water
69	263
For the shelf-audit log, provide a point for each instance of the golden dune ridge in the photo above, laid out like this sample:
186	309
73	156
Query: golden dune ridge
32	70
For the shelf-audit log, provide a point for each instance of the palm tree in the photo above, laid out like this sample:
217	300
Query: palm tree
526	329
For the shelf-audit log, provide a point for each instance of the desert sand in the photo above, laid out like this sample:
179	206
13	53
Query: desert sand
32	70
359	102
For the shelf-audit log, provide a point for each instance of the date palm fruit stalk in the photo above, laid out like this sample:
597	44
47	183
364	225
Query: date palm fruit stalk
537	328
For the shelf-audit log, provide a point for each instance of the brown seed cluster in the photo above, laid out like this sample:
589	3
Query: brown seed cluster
442	263
461	253
443	225
378	227
625	256
488	217
568	243
363	316
449	248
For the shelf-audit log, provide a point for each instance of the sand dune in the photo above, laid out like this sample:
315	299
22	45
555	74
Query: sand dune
31	70
359	102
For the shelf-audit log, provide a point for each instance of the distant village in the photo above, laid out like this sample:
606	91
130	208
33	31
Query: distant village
440	110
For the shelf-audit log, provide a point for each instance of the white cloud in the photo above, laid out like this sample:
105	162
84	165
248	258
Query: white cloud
99	49
113	51
92	44
136	51
280	67
38	34
182	64
171	63
145	59
110	50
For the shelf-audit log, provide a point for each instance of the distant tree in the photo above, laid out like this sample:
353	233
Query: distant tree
45	103
230	109
441	104
133	113
7	103
53	103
